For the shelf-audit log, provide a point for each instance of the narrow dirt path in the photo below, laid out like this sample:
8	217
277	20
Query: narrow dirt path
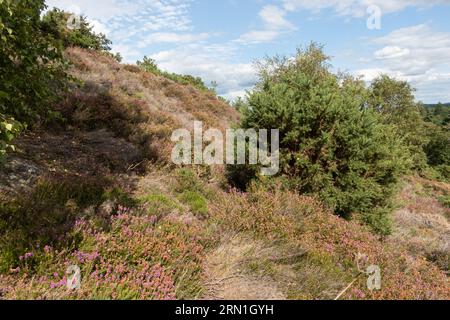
228	278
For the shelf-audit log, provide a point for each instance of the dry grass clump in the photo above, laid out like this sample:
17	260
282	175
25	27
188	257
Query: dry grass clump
228	278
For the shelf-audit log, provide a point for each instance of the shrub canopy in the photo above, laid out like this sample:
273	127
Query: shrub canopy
31	67
395	101
81	34
332	143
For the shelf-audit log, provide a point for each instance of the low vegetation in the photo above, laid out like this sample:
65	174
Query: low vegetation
149	65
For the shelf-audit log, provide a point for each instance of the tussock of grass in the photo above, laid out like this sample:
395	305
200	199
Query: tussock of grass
196	202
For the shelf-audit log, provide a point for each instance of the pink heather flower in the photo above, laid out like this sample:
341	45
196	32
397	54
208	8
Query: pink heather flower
153	220
56	275
17	270
47	249
59	284
27	255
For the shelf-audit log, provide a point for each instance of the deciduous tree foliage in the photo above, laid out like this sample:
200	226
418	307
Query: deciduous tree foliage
332	144
80	34
395	100
31	66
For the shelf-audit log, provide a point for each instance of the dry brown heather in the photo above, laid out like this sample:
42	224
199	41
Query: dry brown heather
147	230
140	106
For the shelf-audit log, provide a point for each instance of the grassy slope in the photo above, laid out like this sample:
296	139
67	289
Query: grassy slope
101	193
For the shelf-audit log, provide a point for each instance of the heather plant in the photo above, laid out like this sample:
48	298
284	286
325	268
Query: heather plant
331	144
47	216
312	254
137	258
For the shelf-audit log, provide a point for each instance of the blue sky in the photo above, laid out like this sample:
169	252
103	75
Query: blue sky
220	40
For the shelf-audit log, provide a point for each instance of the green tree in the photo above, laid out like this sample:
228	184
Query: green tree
331	143
32	68
80	33
149	65
395	101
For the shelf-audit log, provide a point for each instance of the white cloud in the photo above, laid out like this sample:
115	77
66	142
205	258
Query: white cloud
132	23
274	18
357	8
371	74
417	54
102	10
427	49
275	24
98	27
254	37
171	37
391	52
128	52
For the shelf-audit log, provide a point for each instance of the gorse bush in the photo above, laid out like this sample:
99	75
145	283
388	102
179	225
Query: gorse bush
331	143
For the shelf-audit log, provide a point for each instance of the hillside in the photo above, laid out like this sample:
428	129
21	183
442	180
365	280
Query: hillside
98	190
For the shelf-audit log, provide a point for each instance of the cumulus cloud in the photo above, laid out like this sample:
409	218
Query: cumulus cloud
391	52
427	50
417	54
260	36
274	18
275	24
